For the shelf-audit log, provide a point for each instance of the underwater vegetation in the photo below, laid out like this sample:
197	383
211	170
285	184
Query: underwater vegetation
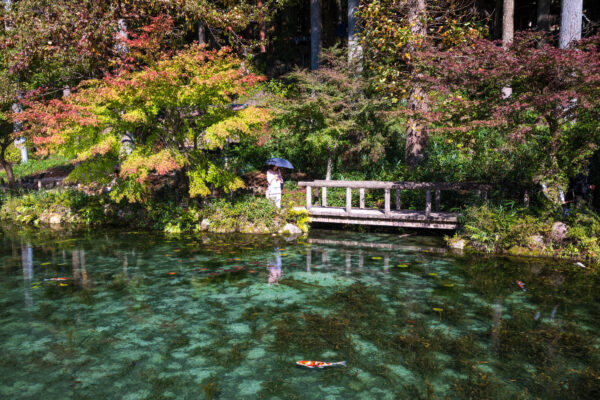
184	317
210	387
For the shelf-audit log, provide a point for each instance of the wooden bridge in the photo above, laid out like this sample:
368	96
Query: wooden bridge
428	218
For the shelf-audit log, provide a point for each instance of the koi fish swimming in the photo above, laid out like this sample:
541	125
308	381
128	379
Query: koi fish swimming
521	285
57	279
319	364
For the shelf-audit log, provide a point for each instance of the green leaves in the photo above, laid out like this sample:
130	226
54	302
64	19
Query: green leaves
178	115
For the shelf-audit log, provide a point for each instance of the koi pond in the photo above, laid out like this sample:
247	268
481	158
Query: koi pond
136	315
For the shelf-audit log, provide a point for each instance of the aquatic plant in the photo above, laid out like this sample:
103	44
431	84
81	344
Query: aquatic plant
478	385
178	341
277	385
210	387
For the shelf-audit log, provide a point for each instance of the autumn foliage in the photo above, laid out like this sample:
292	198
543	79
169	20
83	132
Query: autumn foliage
172	118
549	121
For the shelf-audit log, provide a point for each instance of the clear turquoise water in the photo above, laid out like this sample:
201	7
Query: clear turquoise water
145	316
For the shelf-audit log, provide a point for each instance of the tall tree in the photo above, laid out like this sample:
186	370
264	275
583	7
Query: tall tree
416	134
261	27
315	33
179	111
392	31
571	17
326	114
547	137
508	23
508	35
8	98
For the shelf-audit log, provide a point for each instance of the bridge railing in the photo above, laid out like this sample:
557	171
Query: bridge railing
388	187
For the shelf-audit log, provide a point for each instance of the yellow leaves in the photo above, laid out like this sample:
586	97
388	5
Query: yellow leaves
197	184
210	173
135	117
102	148
244	123
407	56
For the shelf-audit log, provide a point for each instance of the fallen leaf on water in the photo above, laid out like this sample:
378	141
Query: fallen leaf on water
402	265
433	274
376	258
63	284
45	263
172	273
438	309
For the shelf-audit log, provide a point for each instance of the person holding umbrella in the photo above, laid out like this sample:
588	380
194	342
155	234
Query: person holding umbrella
275	180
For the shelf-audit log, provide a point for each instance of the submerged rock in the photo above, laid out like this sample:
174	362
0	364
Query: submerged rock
456	243
204	225
291	229
51	218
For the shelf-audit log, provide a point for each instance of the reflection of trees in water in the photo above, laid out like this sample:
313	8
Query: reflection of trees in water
27	263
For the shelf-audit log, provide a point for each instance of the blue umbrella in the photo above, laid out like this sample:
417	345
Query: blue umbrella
280	162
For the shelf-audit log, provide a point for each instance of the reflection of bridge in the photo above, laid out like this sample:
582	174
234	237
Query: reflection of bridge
428	218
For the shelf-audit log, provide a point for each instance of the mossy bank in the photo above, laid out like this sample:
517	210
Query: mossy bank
245	214
530	232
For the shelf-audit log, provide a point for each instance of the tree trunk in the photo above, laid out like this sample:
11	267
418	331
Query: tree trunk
10	177
329	167
354	48
201	33
315	33
17	127
508	35
416	135
127	142
508	23
543	15
262	28
121	47
498	19
571	17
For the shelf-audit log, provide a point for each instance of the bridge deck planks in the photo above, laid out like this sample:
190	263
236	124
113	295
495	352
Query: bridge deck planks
373	213
375	217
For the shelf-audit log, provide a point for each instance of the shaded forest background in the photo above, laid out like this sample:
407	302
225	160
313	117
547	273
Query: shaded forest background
108	84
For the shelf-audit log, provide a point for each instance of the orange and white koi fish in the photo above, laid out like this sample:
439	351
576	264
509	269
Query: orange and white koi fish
319	364
521	285
57	279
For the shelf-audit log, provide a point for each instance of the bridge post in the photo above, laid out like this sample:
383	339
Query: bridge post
348	263
308	197
324	199
348	200
437	201
427	203
398	200
387	202
362	197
